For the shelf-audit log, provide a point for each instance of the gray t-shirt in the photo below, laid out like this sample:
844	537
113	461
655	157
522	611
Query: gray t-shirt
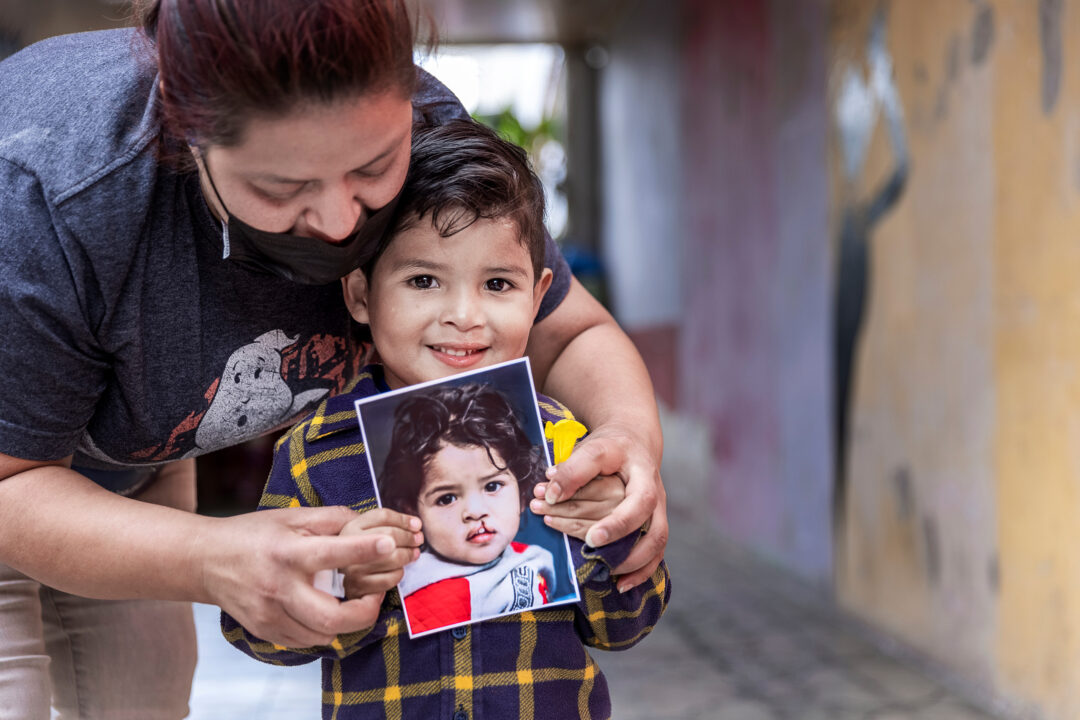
126	339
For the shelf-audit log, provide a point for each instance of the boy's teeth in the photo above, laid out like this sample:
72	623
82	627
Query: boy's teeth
455	353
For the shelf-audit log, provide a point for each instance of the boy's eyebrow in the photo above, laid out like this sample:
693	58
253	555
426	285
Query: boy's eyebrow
422	264
512	270
417	264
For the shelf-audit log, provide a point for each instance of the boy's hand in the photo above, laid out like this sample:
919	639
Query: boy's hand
575	515
384	572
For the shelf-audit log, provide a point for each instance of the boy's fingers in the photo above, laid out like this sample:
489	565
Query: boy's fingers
593	456
575	527
394	561
642	499
583	510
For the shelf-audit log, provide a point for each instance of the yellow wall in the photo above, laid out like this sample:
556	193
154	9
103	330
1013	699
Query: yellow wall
962	510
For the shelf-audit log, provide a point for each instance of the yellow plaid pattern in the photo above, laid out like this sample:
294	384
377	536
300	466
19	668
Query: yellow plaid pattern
533	665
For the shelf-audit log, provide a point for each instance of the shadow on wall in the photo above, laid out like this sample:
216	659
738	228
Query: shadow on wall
857	108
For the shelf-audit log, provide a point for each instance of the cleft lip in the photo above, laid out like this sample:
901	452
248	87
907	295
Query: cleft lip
481	530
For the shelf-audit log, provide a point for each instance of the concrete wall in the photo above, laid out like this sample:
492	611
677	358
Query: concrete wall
714	122
962	466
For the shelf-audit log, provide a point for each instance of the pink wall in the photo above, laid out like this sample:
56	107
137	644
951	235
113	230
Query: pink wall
752	358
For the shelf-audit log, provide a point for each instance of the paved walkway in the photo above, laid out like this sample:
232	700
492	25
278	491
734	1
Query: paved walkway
744	641
740	641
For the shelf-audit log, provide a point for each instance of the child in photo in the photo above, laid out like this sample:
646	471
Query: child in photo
460	460
454	286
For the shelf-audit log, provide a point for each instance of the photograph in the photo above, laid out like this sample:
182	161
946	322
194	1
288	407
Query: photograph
464	454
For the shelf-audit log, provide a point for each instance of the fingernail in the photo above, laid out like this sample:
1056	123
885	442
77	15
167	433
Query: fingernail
596	538
552	495
418	538
550	472
623	587
384	545
414	523
536	505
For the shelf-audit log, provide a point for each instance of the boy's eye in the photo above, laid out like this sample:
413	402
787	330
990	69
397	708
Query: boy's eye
498	285
423	282
444	500
493	486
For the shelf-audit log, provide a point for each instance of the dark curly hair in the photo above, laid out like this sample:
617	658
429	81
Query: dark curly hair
463	415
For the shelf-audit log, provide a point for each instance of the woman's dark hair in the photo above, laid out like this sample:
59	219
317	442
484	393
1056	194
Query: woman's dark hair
223	61
465	415
462	171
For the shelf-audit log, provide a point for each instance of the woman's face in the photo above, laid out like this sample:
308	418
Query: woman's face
469	507
318	171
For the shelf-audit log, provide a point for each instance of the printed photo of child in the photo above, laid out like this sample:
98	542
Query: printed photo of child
464	457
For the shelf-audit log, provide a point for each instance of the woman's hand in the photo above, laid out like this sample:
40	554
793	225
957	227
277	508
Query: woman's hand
613	450
578	513
385	571
259	568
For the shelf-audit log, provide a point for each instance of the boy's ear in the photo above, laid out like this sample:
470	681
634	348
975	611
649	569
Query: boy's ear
355	288
540	288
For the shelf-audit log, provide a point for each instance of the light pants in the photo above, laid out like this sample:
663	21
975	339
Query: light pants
98	659
93	659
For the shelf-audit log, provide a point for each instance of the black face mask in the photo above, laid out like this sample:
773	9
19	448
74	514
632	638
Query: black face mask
303	260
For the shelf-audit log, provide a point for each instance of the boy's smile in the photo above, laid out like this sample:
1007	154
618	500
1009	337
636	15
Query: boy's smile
437	306
469	506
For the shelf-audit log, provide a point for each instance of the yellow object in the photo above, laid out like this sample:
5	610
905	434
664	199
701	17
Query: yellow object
563	436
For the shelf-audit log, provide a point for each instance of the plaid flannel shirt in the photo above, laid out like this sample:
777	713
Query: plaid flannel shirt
529	665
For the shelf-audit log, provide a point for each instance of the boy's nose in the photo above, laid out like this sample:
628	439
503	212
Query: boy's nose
463	311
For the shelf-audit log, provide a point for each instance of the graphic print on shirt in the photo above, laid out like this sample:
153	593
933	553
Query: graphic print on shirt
264	384
253	396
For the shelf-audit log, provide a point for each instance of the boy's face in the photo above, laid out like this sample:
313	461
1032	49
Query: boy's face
437	306
469	507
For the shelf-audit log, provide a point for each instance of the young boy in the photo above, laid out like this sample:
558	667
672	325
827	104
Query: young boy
460	460
455	285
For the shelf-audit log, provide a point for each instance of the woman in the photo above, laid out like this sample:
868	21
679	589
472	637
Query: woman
176	206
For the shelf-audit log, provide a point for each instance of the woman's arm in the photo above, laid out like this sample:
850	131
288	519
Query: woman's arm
61	529
581	356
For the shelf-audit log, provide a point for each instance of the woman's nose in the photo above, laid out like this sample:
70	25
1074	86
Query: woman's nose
335	214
